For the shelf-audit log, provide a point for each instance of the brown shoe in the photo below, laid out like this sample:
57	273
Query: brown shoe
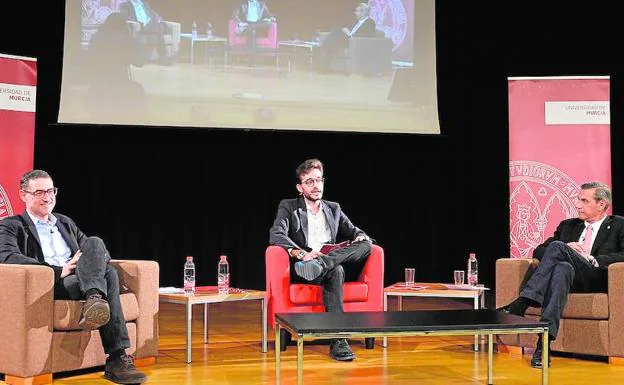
95	313
121	370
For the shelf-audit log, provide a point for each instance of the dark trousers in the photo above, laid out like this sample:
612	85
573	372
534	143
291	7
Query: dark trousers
152	36
560	272
94	272
251	31
339	266
332	47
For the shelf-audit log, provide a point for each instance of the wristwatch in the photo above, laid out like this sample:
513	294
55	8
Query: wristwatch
297	253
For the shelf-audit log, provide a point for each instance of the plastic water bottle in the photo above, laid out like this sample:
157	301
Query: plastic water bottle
473	270
223	275
189	276
194	31
209	29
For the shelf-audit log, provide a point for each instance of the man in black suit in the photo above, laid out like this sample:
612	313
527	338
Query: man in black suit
81	268
252	16
152	32
574	259
338	39
302	225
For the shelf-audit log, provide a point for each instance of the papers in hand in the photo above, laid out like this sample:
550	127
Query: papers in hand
329	247
170	290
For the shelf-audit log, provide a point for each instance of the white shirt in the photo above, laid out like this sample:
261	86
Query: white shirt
253	11
318	231
357	26
140	11
55	250
595	227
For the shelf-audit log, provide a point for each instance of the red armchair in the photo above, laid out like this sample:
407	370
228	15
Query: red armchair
365	294
269	41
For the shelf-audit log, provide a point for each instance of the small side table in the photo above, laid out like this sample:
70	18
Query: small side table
435	290
209	294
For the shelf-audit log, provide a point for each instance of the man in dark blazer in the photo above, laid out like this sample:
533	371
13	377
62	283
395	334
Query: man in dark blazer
303	225
338	39
574	259
152	32
252	16
81	268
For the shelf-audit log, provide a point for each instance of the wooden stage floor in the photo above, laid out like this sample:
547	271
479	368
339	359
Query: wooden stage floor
233	356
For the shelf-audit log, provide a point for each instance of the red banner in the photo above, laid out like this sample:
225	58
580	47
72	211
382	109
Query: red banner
559	138
18	81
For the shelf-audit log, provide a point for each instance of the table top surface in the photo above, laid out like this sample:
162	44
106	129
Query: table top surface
434	289
405	321
210	294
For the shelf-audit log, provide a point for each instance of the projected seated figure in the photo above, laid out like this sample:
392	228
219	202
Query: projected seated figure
112	93
252	17
338	39
152	32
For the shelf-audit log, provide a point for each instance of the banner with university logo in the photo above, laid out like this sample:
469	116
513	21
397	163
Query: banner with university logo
18	81
559	138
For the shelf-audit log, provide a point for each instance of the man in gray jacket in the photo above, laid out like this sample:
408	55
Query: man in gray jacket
303	225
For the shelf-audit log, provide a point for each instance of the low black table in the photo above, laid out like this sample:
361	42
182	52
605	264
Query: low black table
310	326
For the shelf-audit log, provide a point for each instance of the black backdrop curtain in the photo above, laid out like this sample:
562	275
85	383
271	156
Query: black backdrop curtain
163	193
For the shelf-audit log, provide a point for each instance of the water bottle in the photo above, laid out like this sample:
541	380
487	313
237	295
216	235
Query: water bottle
189	276
194	30
223	275
473	270
209	30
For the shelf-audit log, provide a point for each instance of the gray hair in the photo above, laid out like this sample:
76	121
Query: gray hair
30	175
365	7
603	192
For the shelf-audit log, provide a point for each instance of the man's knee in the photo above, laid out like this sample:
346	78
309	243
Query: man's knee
363	249
92	243
555	248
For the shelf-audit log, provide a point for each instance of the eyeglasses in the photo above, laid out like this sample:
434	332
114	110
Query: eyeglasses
41	193
310	182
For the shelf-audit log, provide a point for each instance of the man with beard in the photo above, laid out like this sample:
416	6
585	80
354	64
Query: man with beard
303	225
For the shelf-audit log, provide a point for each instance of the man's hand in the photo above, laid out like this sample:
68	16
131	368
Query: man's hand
311	255
578	247
346	31
362	238
71	265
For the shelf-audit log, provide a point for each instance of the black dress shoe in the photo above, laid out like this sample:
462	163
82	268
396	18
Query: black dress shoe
517	307
536	360
340	350
95	313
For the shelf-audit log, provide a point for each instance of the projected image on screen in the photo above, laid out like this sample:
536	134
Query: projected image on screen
298	64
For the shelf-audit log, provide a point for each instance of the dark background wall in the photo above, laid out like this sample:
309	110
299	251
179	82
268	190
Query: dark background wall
162	193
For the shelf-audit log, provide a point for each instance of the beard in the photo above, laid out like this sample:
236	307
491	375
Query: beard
313	197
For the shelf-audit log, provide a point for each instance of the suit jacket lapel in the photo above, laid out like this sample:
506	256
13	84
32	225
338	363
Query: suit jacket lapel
603	233
302	211
577	231
329	219
71	241
31	228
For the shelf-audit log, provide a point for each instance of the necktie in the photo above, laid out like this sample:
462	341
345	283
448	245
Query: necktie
587	239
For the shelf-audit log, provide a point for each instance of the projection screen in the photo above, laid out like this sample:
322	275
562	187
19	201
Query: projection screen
327	65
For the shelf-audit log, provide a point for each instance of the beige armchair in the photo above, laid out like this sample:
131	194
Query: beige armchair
40	336
592	323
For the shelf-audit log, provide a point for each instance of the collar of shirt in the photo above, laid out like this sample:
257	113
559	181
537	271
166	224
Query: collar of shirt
595	226
51	220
